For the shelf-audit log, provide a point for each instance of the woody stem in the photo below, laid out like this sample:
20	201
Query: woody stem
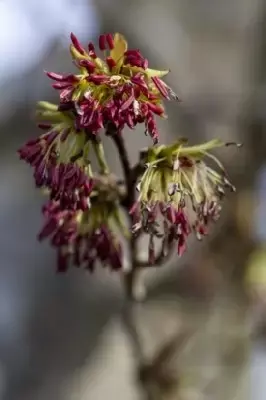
130	277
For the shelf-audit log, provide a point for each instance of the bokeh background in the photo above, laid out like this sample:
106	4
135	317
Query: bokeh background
63	337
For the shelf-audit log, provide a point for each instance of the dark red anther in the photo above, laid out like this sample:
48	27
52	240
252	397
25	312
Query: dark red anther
130	121
138	80
44	126
61	85
181	246
97	79
110	41
133	53
134	61
91	49
161	87
54	76
150	122
62	78
102	42
70	171
155	109
127	103
76	44
49	227
89	65
35	159
39	174
145	63
110	62
152	96
30	143
55	177
144	109
50	137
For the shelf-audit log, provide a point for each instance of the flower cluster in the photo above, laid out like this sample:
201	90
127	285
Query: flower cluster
58	157
83	237
178	192
179	188
119	89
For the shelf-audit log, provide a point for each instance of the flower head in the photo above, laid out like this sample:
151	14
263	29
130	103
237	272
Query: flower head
59	158
84	236
119	89
181	188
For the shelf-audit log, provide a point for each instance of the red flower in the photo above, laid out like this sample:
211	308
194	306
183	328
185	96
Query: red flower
77	240
53	156
175	225
120	89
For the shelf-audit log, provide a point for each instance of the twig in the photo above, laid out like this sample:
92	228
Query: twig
130	327
136	171
121	148
131	175
130	277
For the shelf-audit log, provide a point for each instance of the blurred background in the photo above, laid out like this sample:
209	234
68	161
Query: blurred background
67	337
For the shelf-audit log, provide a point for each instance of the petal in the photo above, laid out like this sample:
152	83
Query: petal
120	47
198	150
45	105
176	146
76	43
55	76
161	86
155	73
76	54
50	116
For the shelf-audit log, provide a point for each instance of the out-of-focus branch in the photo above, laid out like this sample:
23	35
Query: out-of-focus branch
130	277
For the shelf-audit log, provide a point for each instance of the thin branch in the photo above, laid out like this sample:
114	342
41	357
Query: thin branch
130	277
124	158
131	175
130	327
127	316
137	171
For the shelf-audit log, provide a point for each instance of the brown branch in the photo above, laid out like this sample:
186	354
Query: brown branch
124	158
130	327
131	175
130	277
127	316
137	171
